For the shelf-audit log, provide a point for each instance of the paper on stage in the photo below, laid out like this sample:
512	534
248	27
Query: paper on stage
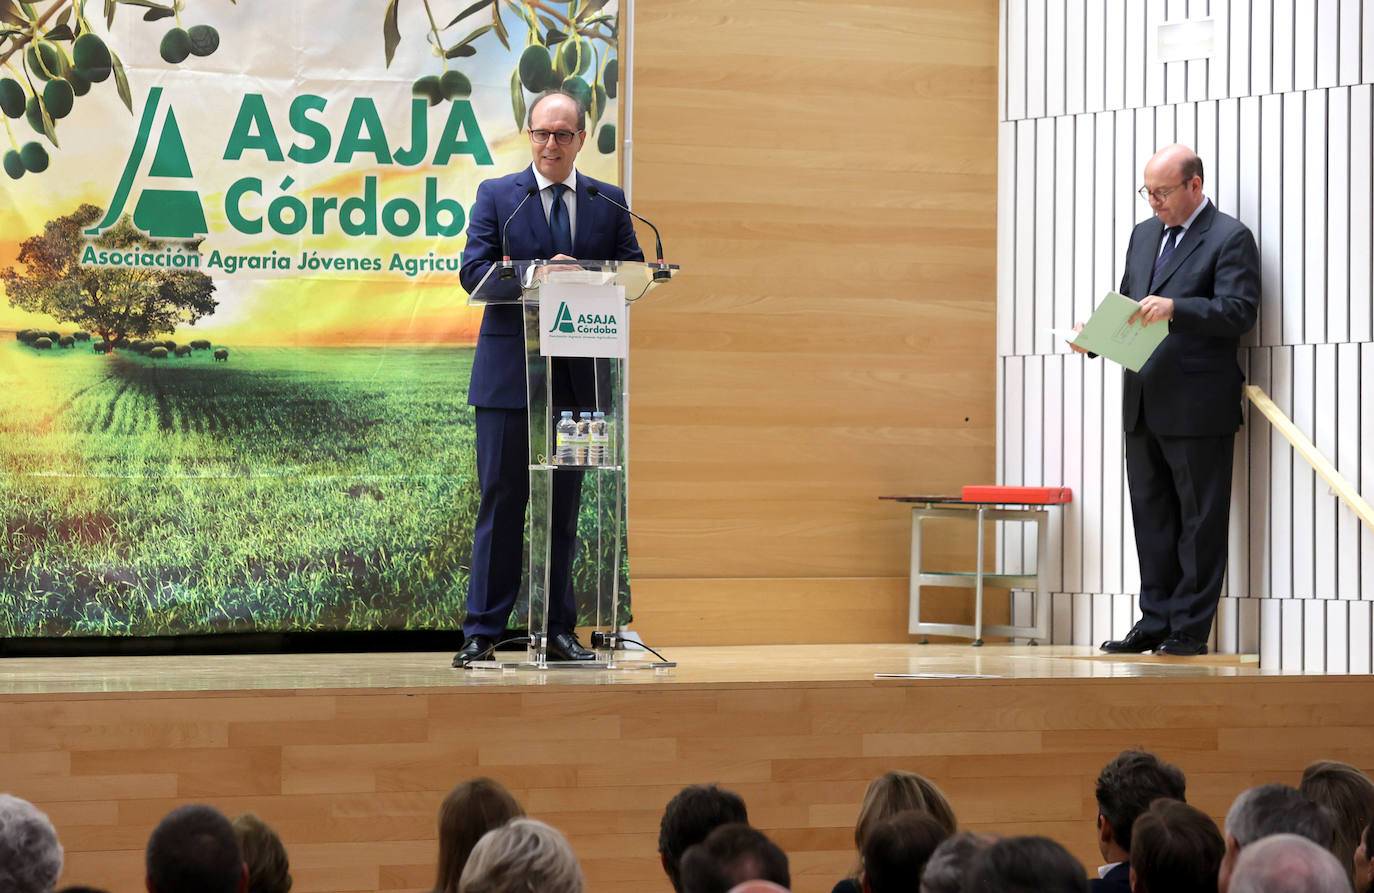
1108	334
934	676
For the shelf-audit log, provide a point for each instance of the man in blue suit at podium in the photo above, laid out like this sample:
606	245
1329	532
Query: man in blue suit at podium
558	220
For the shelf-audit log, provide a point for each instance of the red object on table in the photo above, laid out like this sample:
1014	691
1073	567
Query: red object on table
1025	495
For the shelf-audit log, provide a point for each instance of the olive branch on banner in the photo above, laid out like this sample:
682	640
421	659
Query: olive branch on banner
569	46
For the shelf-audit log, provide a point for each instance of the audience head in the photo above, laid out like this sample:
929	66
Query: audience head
194	850
1287	863
520	856
30	856
1175	848
897	849
690	816
898	791
949	865
1125	788
269	870
1026	865
729	856
1348	794
1364	869
470	810
1265	810
758	887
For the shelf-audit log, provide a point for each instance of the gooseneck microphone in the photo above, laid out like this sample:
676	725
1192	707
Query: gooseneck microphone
595	192
507	268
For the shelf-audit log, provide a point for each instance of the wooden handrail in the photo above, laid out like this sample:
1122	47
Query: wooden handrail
1348	494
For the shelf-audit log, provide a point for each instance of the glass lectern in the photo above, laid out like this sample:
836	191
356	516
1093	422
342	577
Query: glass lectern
575	310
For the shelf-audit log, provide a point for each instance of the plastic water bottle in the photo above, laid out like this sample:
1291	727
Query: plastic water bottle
583	439
565	448
600	452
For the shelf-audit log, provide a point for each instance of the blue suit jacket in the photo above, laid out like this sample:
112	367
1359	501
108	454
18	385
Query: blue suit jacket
603	232
1191	386
1118	880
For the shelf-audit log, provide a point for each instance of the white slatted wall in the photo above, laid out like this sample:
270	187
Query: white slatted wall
1282	116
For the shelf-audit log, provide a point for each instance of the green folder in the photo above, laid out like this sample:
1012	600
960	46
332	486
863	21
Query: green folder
1108	334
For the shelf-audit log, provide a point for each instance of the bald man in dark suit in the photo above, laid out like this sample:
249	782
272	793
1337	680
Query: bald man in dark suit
1195	270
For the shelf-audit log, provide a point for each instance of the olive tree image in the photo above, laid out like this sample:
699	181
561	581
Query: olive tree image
60	57
116	302
569	46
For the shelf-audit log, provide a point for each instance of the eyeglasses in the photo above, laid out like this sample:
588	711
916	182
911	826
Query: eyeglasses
1158	195
562	137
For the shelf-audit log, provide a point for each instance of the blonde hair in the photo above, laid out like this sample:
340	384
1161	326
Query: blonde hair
898	791
269	869
1349	796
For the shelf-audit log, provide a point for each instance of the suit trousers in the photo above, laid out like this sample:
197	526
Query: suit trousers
1181	499
503	458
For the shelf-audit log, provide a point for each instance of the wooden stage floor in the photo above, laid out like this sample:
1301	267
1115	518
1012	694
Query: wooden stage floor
349	756
696	666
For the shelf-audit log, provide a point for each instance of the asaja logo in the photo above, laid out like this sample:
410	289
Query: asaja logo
171	213
169	205
169	200
564	322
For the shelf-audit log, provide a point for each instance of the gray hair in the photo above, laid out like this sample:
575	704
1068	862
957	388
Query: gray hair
948	865
1277	809
1287	863
30	856
522	856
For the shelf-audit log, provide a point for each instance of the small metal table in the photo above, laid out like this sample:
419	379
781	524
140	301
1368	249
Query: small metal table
925	508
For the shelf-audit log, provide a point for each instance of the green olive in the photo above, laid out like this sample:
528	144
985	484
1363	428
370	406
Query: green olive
455	85
578	88
204	39
43	61
11	98
92	57
535	68
605	139
175	46
58	96
80	84
33	111
427	87
34	157
610	76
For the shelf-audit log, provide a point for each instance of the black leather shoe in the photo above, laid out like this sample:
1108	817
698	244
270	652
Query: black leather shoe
1136	642
564	646
477	647
1180	645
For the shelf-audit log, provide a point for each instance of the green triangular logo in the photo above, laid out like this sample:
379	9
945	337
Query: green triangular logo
170	213
170	160
564	321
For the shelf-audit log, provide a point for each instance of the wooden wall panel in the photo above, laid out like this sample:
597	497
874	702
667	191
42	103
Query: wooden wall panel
352	779
826	176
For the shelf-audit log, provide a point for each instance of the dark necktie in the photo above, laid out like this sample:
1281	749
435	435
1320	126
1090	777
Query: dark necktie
1171	237
558	222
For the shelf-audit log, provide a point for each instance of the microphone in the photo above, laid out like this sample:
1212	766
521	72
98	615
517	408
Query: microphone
594	192
507	270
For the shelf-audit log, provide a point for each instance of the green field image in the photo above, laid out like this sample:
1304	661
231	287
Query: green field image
286	489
